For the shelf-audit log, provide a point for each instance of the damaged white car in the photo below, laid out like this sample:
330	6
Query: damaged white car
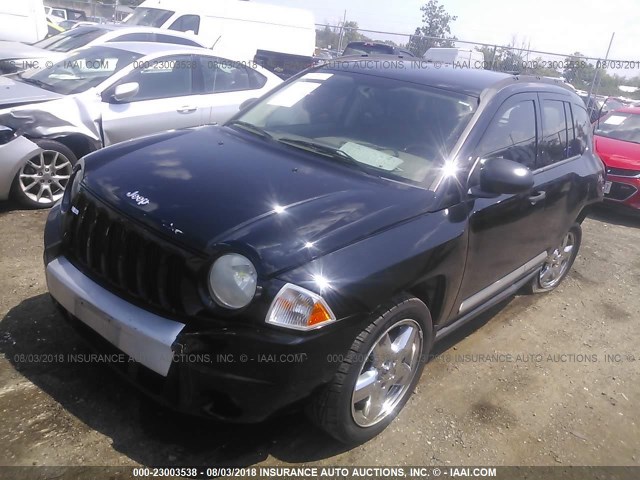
103	95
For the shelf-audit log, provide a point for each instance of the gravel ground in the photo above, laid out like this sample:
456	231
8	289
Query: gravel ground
565	389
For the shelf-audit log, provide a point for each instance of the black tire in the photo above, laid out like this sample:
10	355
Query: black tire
537	285
331	408
50	149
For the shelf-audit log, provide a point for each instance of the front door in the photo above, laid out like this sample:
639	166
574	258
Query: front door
166	100
506	233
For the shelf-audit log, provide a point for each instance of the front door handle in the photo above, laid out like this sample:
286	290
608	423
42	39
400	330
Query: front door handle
537	197
187	109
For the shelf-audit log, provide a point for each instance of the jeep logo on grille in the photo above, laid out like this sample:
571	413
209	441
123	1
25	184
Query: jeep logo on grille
139	199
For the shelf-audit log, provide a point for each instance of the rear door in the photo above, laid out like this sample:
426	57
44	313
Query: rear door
506	233
167	99
564	141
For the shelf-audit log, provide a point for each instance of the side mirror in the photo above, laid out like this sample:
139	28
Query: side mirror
248	103
500	176
126	91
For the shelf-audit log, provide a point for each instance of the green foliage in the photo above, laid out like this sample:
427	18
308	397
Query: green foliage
436	22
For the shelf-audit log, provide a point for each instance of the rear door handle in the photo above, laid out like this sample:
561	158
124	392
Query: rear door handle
537	197
187	109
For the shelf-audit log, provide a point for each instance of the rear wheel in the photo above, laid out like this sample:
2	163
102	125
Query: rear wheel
558	262
41	180
378	375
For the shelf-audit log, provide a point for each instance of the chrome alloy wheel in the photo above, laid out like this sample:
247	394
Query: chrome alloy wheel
44	177
387	373
557	263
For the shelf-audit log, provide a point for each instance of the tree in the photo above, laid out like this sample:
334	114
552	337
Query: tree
435	30
579	72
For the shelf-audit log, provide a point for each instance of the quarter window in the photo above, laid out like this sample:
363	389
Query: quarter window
512	134
582	128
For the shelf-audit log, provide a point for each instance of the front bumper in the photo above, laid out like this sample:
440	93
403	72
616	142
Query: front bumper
241	374
12	156
145	337
624	191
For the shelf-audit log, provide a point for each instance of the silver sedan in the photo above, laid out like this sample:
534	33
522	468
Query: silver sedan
107	94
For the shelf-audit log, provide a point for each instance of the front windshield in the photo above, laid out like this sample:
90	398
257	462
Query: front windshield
387	127
149	17
81	71
71	39
620	126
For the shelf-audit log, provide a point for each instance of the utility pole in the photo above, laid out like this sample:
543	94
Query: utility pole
595	84
344	20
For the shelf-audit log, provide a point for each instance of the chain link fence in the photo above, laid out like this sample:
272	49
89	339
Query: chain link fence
588	75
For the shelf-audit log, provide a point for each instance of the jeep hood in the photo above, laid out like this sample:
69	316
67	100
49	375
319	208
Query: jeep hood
210	186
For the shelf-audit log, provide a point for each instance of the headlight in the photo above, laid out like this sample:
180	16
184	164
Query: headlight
298	308
6	134
233	281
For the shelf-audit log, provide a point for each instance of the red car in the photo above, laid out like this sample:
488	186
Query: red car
617	142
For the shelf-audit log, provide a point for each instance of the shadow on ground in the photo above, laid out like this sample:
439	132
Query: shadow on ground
616	215
139	428
7	206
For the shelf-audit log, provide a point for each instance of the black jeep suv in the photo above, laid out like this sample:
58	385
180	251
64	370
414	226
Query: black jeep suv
312	249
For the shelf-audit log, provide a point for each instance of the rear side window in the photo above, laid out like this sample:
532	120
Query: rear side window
555	142
512	134
134	37
222	75
176	40
187	23
71	39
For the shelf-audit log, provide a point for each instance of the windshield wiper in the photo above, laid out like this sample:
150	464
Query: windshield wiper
250	127
33	81
326	150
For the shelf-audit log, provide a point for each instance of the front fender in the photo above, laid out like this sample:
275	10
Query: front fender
368	273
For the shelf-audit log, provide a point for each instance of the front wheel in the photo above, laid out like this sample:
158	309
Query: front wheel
41	180
379	374
558	262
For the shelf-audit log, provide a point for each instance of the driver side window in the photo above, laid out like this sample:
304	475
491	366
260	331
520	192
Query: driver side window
162	78
512	134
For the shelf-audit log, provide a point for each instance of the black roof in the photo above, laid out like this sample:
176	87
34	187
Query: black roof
469	81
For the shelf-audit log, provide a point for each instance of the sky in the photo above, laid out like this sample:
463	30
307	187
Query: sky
562	26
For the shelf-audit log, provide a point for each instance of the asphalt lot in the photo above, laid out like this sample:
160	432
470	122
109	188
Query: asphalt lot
562	386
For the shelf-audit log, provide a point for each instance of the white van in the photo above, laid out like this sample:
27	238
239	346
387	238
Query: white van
235	29
459	57
22	21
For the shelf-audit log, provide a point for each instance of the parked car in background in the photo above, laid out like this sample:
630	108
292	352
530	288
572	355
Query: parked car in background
617	142
373	48
598	106
16	57
234	28
98	20
22	21
105	94
336	228
462	57
60	14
